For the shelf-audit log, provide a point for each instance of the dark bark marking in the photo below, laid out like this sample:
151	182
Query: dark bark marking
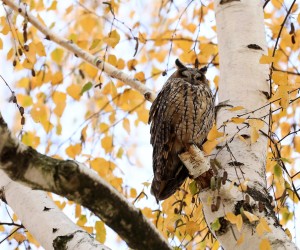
254	46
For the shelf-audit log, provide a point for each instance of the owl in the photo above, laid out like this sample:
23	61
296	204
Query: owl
181	115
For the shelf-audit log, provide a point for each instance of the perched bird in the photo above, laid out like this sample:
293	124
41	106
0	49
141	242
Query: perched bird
181	115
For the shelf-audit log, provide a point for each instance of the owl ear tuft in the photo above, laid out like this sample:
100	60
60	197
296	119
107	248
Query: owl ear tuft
197	64
204	69
179	64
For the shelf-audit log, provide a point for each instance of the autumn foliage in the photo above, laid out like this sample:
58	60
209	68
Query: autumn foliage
66	108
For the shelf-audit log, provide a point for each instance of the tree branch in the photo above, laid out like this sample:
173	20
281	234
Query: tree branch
33	206
70	46
76	182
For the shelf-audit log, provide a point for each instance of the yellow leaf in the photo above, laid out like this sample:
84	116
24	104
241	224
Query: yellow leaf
77	211
113	38
103	127
100	231
31	139
53	6
110	89
191	27
88	229
39	112
82	220
209	146
90	70
126	125
241	239
208	49
237	120
73	150
214	134
185	45
133	193
56	78
140	76
74	91
57	55
116	182
244	185
142	37
231	217
10	54
131	64
120	153
239	222
88	23
59	98
1	44
31	53
83	133
297	143
285	128
288	233
112	59
102	166
192	227
120	64
262	227
216	81
19	237
40	49
251	217
107	144
266	59
69	9
236	108
277	4
24	100
143	116
6	29
23	83
264	245
279	77
27	64
256	125
216	245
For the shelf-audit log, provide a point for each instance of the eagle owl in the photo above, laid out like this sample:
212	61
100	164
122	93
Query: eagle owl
181	115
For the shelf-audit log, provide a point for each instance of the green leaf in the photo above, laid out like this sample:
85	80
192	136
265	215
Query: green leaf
285	160
193	187
216	225
277	170
86	87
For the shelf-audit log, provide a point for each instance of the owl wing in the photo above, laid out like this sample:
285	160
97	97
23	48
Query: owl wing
165	117
182	114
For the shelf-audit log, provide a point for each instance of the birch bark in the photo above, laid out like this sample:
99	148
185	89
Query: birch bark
241	39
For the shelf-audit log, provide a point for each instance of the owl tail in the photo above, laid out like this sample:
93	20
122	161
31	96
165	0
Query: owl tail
163	189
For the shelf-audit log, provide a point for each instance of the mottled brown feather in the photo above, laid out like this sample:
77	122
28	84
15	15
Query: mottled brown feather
181	115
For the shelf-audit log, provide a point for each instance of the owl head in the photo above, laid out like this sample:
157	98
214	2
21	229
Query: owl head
192	75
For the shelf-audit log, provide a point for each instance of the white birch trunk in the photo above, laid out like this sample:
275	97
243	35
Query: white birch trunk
43	219
241	37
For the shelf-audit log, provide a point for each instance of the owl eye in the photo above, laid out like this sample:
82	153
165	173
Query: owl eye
199	78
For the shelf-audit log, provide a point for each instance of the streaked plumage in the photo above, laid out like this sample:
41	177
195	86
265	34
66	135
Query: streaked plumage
181	115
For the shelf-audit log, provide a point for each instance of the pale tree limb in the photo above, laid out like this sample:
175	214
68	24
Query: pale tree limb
243	80
38	213
76	182
70	46
195	161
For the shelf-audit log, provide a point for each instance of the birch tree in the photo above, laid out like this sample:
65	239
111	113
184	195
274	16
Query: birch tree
94	64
